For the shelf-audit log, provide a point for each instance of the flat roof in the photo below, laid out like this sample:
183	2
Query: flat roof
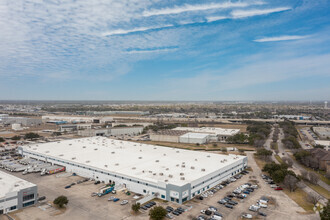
142	161
211	130
10	183
195	135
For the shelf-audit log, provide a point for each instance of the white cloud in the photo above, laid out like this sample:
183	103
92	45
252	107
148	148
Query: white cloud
134	30
280	38
255	12
215	18
201	7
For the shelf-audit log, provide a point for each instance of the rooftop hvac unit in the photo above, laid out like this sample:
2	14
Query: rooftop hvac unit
196	159
140	150
95	149
167	169
84	146
157	161
112	152
61	155
70	144
105	165
203	170
47	151
133	168
87	161
181	174
161	174
183	165
192	168
154	174
150	171
73	158
166	181
170	176
142	171
177	165
182	178
34	148
178	151
140	157
116	164
164	154
155	148
208	156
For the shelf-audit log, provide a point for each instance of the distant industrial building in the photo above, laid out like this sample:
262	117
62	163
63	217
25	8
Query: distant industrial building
75	119
74	127
116	113
167	173
194	138
216	134
112	131
322	132
292	117
144	124
167	135
26	122
16	193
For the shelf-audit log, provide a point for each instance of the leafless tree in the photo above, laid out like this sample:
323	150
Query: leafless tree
304	174
313	198
313	178
290	182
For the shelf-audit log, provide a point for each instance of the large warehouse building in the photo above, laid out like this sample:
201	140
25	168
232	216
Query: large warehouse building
174	174
15	193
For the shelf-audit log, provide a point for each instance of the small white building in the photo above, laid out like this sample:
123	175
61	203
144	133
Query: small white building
325	144
194	138
221	133
15	193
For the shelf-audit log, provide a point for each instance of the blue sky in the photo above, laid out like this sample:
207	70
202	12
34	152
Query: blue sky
165	50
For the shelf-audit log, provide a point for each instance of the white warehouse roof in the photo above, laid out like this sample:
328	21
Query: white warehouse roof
195	135
210	130
141	161
10	183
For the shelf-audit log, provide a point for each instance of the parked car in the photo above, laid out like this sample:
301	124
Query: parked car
218	214
124	202
229	206
246	192
262	205
111	198
115	199
262	214
278	188
168	215
212	209
222	201
249	216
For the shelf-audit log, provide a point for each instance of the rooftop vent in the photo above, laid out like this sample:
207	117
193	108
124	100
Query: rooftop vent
192	168
95	149
170	176
157	161
140	157
70	144
105	165
166	181
164	154
61	155
133	168
112	152
177	165
181	174
73	158
87	161
178	151
196	159
183	165
208	156
155	148
150	171
182	178
203	170
154	174
84	146
117	164
161	174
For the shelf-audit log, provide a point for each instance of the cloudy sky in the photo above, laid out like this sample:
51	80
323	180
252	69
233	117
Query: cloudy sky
165	49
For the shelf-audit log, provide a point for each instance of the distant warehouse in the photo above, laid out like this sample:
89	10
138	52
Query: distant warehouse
167	173
217	134
15	193
112	131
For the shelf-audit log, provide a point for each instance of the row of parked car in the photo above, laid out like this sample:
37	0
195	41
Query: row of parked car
261	203
227	201
177	211
148	205
270	181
